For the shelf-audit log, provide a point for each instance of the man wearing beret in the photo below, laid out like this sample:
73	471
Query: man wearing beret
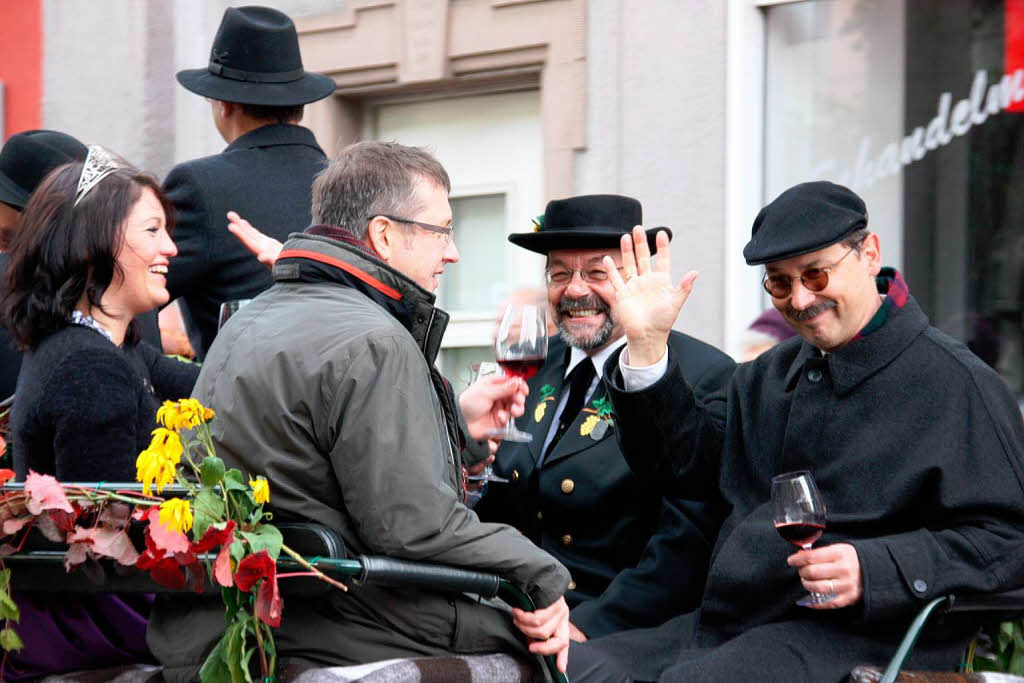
915	444
257	87
636	558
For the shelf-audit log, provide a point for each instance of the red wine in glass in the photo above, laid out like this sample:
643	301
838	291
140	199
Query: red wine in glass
524	368
520	345
799	515
799	534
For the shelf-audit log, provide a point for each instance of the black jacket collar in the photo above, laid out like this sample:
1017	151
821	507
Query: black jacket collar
317	258
274	134
860	359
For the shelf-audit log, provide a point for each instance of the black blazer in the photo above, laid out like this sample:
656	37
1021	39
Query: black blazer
266	176
635	557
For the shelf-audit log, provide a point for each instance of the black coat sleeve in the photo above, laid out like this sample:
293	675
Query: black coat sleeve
668	437
172	378
191	231
667	581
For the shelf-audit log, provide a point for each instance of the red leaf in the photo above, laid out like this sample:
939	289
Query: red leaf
140	513
77	554
115	515
224	538
45	493
215	537
253	568
114	543
166	539
195	577
5	474
49	529
268	602
12	526
222	567
63	521
166	572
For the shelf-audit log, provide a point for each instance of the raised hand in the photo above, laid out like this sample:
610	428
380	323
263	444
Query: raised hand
646	302
264	247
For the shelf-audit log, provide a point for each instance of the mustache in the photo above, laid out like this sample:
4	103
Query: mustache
809	312
566	304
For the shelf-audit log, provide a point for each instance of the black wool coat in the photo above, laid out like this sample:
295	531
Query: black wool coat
266	176
636	558
916	446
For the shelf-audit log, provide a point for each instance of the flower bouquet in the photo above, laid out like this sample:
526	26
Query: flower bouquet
217	529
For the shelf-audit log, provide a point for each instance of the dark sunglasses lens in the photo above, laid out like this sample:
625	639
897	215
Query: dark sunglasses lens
814	279
778	287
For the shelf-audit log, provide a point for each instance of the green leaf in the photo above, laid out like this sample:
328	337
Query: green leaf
264	537
5	580
231	604
8	608
233	650
234	481
241	504
211	470
207	509
9	640
1016	665
215	669
1018	636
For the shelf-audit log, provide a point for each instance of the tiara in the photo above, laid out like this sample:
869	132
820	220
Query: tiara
99	163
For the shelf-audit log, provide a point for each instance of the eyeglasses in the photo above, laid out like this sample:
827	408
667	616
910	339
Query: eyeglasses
559	277
814	279
447	230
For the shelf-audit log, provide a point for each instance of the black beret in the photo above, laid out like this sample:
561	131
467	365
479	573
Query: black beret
805	218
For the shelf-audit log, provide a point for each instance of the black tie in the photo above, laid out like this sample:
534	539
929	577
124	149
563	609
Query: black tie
579	382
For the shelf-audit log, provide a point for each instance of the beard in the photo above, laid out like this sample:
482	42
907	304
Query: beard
809	312
585	341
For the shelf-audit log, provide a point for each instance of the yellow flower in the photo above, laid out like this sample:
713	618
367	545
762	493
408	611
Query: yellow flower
260	490
152	467
167	444
176	514
183	414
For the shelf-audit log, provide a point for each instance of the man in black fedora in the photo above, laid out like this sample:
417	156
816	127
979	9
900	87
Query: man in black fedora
916	445
636	558
257	87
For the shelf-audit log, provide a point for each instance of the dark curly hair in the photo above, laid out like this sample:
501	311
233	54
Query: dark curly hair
62	250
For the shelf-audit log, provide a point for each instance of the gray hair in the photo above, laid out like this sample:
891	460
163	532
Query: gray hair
855	240
373	179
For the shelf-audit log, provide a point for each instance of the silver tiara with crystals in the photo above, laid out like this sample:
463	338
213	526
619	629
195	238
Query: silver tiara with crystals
99	163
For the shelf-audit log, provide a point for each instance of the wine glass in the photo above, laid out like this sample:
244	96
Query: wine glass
520	347
483	370
799	515
229	308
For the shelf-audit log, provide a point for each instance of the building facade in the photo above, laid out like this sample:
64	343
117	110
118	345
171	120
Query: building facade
702	109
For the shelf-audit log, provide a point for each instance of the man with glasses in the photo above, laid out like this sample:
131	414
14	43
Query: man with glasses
636	558
915	444
326	382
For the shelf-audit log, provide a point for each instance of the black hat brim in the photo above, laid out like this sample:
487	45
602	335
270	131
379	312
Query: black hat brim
582	238
309	88
11	193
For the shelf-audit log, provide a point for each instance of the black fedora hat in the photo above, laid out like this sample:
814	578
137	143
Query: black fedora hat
591	221
27	157
255	60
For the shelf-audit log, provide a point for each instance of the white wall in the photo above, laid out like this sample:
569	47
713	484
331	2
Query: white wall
656	97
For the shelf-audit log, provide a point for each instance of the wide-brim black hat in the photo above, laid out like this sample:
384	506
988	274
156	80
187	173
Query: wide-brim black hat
28	157
592	221
805	218
255	60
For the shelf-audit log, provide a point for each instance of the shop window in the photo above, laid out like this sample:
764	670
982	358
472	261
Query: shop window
919	107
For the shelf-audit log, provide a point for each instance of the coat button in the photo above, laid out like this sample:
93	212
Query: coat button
515	475
540	514
568	485
572	585
815	376
920	585
567	540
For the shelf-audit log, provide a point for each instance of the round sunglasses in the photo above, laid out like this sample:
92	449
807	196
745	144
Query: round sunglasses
814	279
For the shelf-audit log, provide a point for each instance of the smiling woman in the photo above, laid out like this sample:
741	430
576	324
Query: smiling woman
91	254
